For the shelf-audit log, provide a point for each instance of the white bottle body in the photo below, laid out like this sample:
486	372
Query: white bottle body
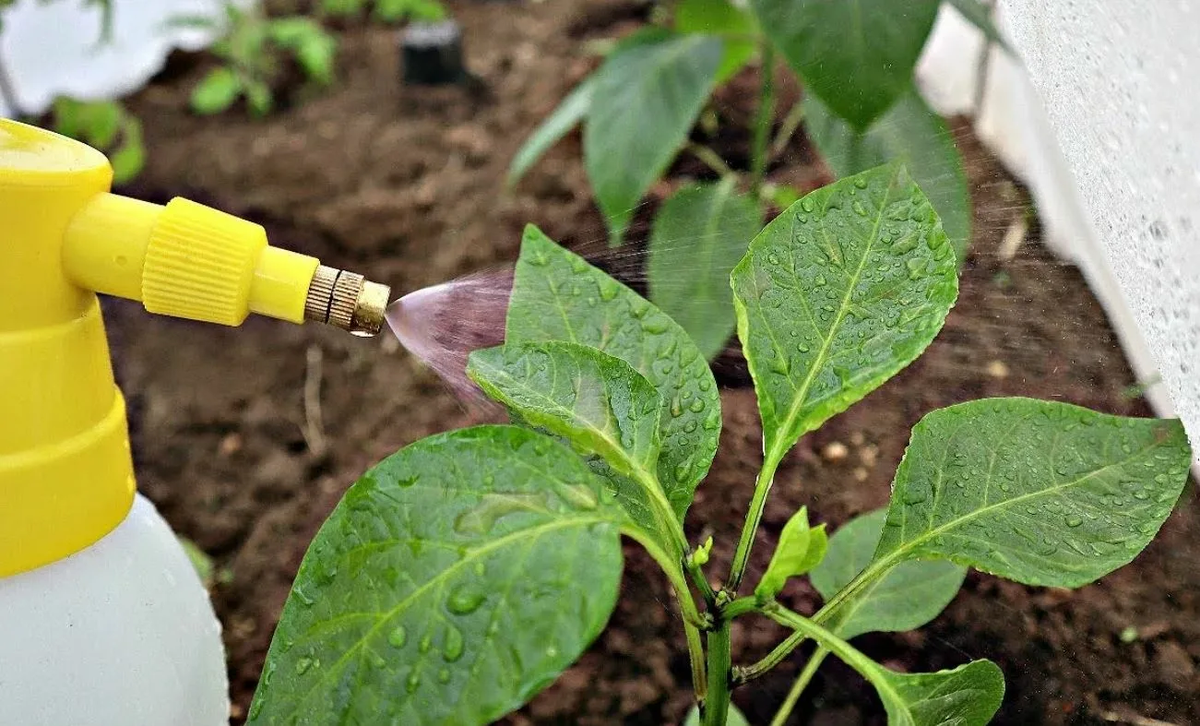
119	634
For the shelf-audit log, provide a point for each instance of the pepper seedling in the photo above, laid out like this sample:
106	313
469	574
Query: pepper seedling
462	574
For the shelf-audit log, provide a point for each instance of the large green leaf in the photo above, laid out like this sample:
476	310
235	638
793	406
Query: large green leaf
909	132
652	94
557	125
454	581
735	25
856	55
557	295
1039	492
700	233
968	695
836	295
597	402
911	594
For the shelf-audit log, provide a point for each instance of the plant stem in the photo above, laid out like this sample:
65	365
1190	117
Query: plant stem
793	641
762	122
758	501
716	705
701	582
806	675
791	122
711	159
8	94
687	606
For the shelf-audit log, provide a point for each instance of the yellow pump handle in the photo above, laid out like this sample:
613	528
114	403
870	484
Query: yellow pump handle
66	478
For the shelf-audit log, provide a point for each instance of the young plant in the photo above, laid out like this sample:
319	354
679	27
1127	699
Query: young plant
254	50
461	575
388	11
856	62
105	125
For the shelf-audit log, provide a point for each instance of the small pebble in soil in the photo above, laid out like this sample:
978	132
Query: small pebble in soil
432	54
834	451
860	474
997	369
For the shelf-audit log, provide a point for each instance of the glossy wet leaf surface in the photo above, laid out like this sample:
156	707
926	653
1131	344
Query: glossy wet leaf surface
909	132
454	581
856	55
698	236
557	295
598	403
652	94
1039	492
965	696
910	595
838	294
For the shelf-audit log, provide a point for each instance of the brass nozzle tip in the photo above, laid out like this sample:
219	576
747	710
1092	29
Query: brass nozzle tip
346	300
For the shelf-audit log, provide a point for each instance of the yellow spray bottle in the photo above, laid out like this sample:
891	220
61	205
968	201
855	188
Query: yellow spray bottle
102	619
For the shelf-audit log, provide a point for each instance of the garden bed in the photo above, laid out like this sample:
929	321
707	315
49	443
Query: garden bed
407	186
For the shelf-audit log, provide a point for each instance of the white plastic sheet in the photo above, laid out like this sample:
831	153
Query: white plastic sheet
53	49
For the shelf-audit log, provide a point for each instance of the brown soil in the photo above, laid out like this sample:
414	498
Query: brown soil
406	185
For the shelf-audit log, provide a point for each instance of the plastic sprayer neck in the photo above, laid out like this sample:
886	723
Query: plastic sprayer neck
66	478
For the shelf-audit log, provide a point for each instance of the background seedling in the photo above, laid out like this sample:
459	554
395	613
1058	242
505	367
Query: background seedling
860	110
458	577
254	51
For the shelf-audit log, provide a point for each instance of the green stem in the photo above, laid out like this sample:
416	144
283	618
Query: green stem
701	582
711	159
762	122
793	696
793	641
692	620
791	122
850	655
716	705
758	502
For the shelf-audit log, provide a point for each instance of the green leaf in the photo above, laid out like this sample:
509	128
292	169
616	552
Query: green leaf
96	123
1039	492
129	158
652	94
911	594
856	55
316	56
735	717
597	402
720	17
557	295
978	15
700	233
560	122
911	133
837	295
259	98
968	695
217	92
453	582
801	548
397	10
